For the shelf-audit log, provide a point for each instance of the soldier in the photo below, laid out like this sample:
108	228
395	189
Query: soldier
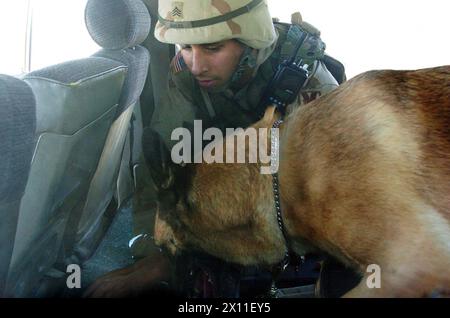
228	52
224	64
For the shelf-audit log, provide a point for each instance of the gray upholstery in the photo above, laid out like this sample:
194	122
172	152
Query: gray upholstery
104	22
76	103
76	71
74	79
137	60
17	129
117	24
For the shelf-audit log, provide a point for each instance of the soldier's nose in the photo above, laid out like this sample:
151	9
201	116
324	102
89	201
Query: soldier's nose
199	62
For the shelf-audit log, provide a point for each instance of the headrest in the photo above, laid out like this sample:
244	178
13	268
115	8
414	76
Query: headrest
117	24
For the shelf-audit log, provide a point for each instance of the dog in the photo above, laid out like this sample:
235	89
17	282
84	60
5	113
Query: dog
364	176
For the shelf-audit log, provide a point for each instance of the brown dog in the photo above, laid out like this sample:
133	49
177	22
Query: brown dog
364	176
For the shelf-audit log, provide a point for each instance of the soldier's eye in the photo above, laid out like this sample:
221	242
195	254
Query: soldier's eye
214	48
186	47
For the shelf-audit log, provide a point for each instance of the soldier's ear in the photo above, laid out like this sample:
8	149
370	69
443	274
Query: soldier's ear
157	157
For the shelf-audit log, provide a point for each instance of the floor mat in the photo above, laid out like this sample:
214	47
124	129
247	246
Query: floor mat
113	252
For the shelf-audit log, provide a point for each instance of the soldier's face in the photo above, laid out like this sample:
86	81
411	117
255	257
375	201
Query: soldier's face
213	64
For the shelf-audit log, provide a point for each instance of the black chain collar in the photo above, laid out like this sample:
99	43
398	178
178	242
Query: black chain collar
276	193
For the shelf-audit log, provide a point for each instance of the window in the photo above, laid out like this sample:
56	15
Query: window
38	33
382	34
13	31
59	32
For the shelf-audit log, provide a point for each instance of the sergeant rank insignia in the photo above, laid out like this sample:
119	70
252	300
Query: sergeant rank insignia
177	10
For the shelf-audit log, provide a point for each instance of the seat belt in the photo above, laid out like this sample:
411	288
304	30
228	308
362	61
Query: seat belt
132	119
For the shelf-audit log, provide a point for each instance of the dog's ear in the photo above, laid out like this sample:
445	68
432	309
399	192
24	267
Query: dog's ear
157	157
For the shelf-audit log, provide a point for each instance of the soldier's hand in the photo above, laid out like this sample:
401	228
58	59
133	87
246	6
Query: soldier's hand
144	276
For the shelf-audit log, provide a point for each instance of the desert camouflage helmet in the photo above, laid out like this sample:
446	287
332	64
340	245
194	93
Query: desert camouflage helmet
210	21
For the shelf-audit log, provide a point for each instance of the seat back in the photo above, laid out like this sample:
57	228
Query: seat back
17	131
76	103
119	27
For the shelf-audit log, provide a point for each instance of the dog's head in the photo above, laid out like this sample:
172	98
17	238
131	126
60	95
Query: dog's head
224	209
170	180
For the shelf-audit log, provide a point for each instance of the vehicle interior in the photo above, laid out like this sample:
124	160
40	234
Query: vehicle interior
71	158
